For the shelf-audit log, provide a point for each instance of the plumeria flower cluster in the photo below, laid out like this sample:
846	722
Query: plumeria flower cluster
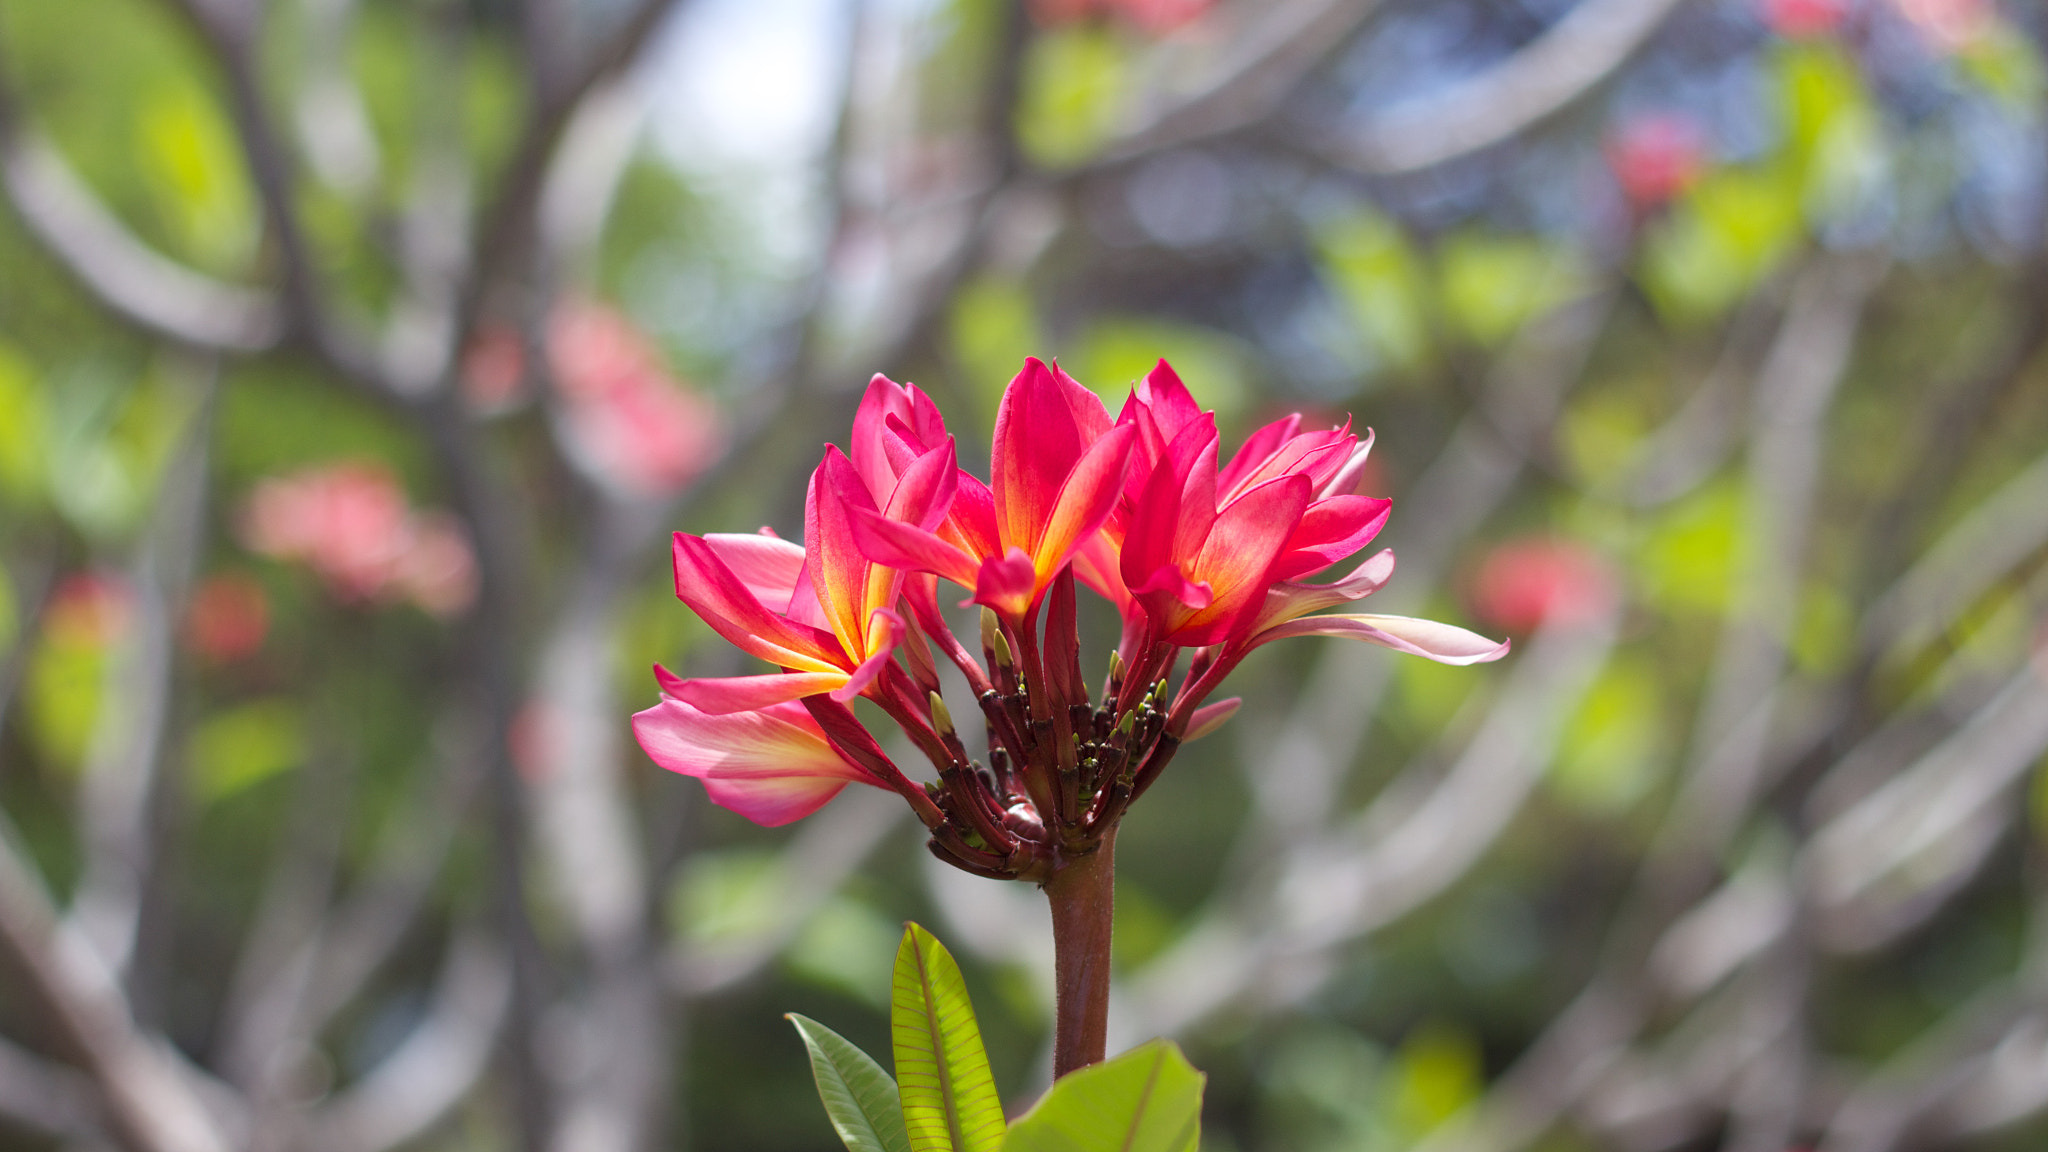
1202	557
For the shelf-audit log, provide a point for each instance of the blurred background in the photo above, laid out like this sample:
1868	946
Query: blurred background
357	356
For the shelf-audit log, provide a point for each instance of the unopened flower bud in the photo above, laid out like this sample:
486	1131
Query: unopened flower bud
942	718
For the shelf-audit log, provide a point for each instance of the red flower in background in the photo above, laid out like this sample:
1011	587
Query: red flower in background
1524	583
228	618
351	524
1655	157
1804	19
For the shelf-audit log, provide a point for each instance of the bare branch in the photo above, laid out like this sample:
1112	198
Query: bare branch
51	1100
151	1101
124	274
434	1068
1573	57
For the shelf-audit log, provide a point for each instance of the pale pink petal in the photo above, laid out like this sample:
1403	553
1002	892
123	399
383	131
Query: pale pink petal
1348	478
728	694
1443	643
1210	717
1286	601
772	766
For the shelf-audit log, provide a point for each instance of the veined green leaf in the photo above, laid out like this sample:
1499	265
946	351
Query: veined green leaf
949	1097
859	1097
1147	1100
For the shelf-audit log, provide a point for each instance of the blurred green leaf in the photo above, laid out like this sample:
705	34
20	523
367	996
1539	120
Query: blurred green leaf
949	1097
235	750
62	699
1824	632
1375	270
187	152
847	946
1114	354
10	614
1613	744
860	1098
2008	66
1836	143
1147	1100
1434	1075
1491	285
1600	435
734	894
1074	83
1728	233
1686	560
993	327
24	429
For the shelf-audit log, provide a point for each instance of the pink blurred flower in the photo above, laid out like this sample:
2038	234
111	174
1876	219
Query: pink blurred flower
1804	19
1526	582
1154	17
494	369
228	618
89	610
1655	157
627	419
350	523
1950	25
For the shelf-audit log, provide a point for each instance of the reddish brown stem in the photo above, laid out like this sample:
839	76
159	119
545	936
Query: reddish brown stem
1083	895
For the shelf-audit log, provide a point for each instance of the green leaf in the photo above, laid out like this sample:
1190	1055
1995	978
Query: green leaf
1147	1100
243	746
859	1097
949	1098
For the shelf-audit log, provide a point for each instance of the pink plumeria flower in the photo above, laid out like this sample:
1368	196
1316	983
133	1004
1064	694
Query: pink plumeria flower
1197	555
1058	466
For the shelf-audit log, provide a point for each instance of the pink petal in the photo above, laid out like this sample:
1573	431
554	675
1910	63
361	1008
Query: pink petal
768	566
668	680
885	631
1095	564
1042	431
1006	583
1167	579
924	490
1210	717
723	696
971	521
1236	558
838	568
1085	499
1352	473
714	593
885	400
771	766
1257	448
1443	643
911	549
1286	601
1331	530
